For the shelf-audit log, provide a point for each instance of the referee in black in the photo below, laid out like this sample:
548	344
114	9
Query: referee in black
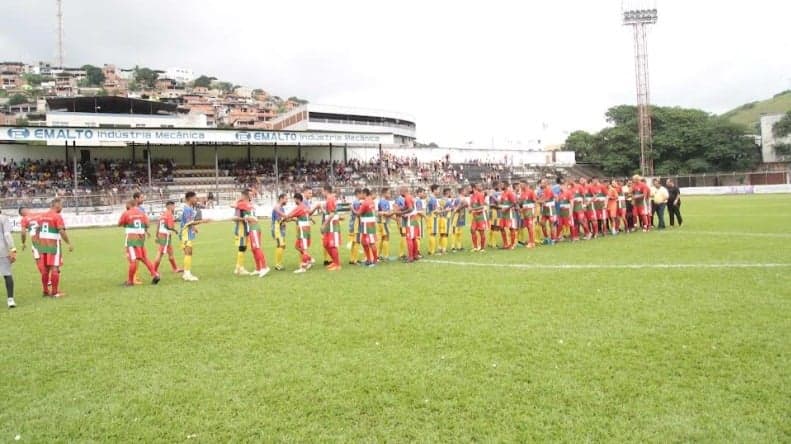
673	202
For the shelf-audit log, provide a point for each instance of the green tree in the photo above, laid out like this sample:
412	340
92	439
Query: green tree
203	81
225	87
33	80
94	75
146	76
783	126
684	141
17	99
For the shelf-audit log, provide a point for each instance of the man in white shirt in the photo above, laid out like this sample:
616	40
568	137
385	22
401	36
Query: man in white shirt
659	196
7	257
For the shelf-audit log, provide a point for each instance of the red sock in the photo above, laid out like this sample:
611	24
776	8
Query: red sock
513	237
531	232
474	240
415	249
130	278
504	235
157	261
574	232
260	259
42	268
645	222
374	254
55	278
173	263
595	225
45	279
335	257
149	266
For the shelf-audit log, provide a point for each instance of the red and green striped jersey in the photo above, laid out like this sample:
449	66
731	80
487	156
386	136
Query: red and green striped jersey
599	197
49	226
302	214
579	199
135	223
167	223
527	204
367	217
331	212
565	200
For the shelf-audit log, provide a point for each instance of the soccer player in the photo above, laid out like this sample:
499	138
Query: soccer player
7	258
354	228
412	231
527	209
548	215
166	225
366	214
432	214
460	218
51	231
640	197
507	207
479	225
600	204
242	208
403	222
279	230
578	210
494	215
190	218
620	215
444	214
331	229
135	224
301	215
588	192
612	206
383	214
29	226
420	209
254	240
564	215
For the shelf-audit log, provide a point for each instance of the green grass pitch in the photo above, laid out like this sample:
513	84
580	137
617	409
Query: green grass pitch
510	346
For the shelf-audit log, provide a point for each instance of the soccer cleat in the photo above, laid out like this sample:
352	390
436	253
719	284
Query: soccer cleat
263	272
45	294
531	245
312	261
189	277
59	295
333	267
326	263
180	270
279	268
127	284
299	270
240	271
307	265
156	279
138	282
11	303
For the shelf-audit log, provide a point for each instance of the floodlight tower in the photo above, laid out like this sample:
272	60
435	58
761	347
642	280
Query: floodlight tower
60	32
639	19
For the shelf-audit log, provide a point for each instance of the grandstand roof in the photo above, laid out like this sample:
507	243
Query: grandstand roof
110	105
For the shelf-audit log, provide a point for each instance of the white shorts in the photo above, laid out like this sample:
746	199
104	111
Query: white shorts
5	266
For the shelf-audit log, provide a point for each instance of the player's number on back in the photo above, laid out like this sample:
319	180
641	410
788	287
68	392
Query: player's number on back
45	226
138	224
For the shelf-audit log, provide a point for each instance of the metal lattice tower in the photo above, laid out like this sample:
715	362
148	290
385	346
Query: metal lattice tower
639	19
60	33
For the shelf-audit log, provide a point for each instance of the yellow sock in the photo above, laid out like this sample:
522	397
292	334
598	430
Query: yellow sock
187	263
458	241
402	247
240	260
327	257
279	256
385	248
432	244
355	254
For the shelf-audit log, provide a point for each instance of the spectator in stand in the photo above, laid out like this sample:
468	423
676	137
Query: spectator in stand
674	202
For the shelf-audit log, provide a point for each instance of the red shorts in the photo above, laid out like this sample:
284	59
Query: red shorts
331	239
579	216
640	211
621	212
368	239
479	226
51	260
413	232
590	215
135	253
255	239
528	221
551	219
302	244
505	223
564	221
163	249
601	214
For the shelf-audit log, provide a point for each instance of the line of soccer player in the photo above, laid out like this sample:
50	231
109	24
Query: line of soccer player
572	210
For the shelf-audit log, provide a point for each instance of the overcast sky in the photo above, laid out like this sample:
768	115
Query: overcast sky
474	71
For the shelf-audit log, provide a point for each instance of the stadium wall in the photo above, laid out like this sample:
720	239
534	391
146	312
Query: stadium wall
204	155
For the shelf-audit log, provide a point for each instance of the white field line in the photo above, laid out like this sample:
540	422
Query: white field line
603	266
735	234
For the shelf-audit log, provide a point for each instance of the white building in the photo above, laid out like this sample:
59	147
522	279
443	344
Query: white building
768	140
119	112
312	117
180	75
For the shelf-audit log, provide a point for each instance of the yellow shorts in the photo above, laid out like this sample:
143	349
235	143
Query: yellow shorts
186	244
383	229
442	223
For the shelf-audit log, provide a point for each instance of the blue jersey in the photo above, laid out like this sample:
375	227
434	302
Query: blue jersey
556	190
353	218
383	206
401	202
188	215
432	205
276	222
